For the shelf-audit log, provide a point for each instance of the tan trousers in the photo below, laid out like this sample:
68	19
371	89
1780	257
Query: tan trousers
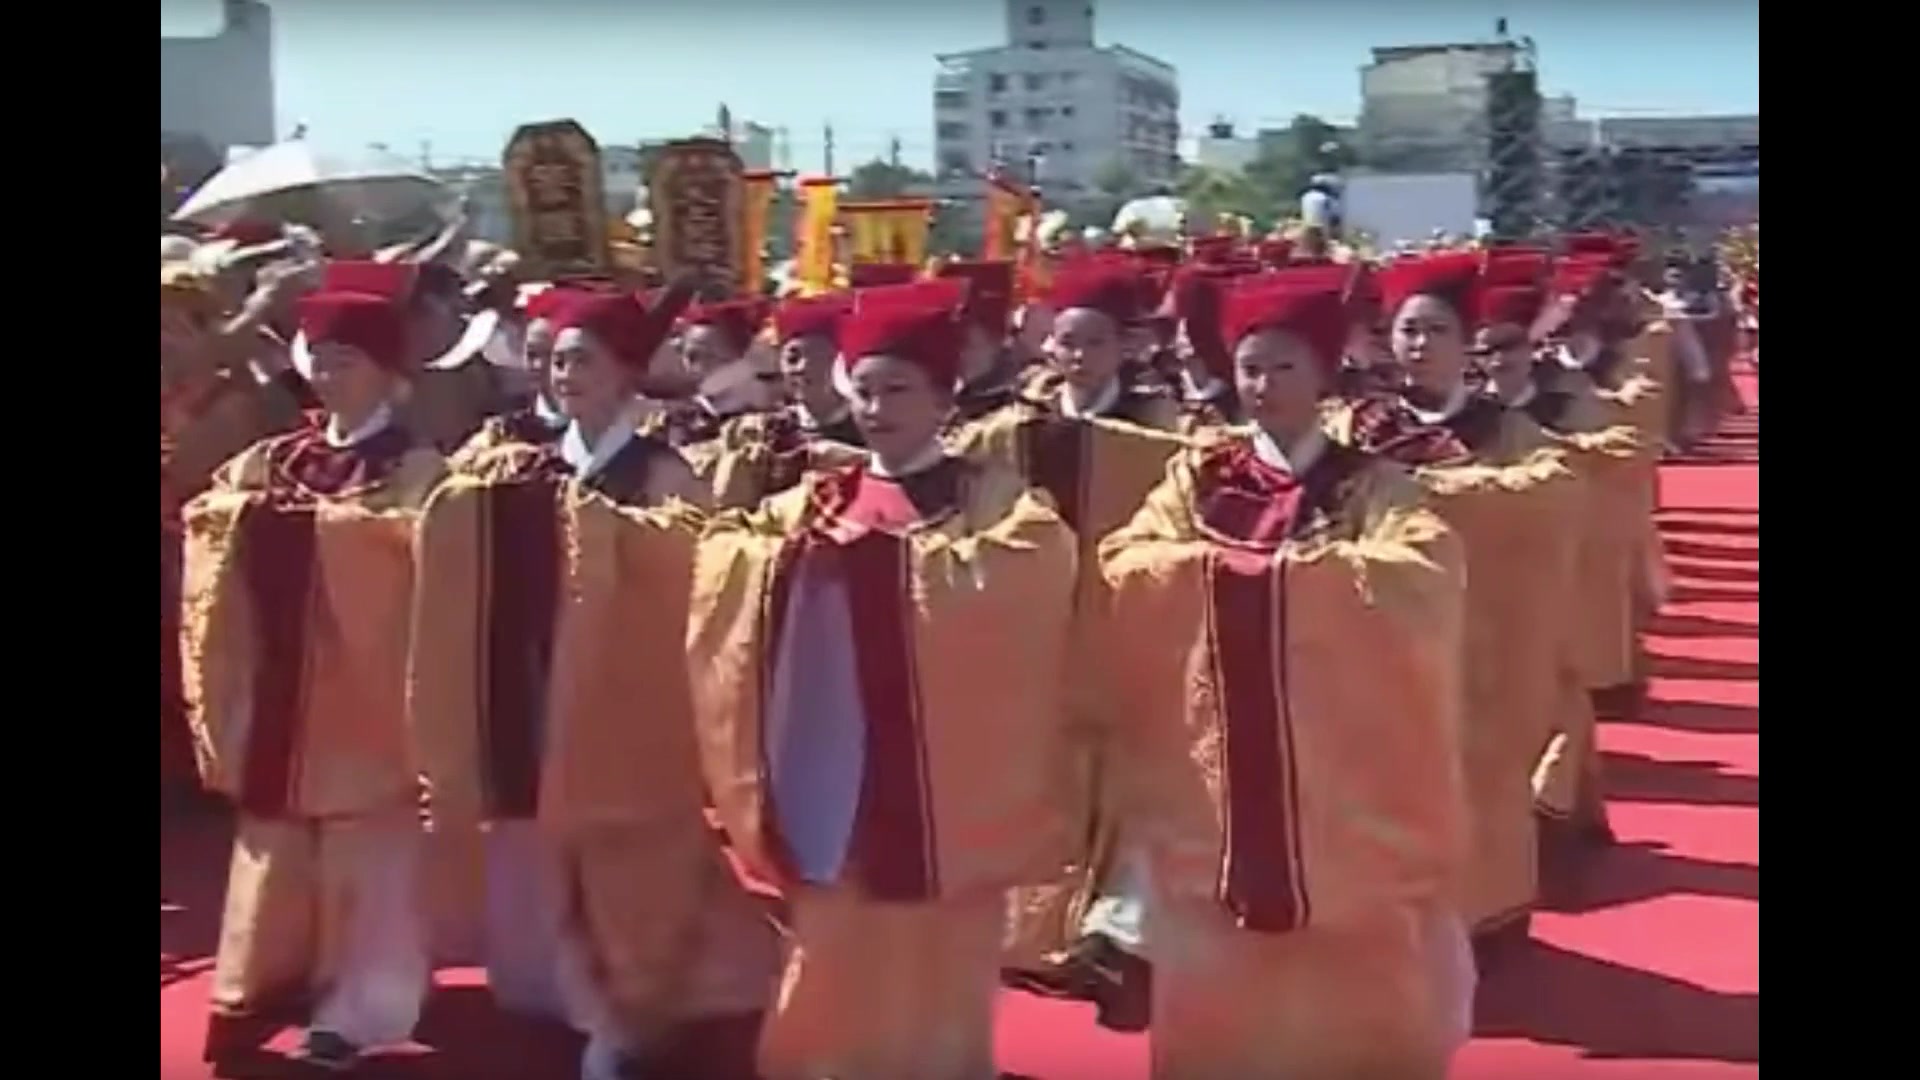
331	906
877	991
1390	1000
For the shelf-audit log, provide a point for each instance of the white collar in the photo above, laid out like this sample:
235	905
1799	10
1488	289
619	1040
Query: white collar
1456	401
548	413
374	424
587	461
1103	401
1296	459
816	423
1202	392
934	452
1525	397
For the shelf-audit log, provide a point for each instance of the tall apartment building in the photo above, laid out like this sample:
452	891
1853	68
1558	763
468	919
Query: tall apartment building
1053	101
1424	107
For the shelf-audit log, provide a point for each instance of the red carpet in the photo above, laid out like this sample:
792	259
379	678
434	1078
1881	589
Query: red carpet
1648	967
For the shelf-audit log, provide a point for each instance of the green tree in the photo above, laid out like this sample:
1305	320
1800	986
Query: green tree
1210	192
1288	162
879	179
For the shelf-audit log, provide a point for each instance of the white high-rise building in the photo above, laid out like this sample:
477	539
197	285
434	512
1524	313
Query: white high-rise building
1052	105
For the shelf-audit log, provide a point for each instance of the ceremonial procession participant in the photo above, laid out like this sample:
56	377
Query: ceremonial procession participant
1095	446
758	454
298	580
225	383
453	389
990	366
1207	397
876	660
1497	480
1603	450
1288	628
551	601
1600	352
539	420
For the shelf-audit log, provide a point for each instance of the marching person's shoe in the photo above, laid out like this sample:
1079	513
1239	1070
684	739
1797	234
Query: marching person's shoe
1125	996
328	1051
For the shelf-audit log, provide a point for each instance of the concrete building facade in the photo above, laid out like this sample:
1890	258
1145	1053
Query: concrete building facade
1423	108
220	89
1052	100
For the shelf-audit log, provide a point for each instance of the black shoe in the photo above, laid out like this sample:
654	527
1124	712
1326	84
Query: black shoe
1073	973
1125	993
328	1051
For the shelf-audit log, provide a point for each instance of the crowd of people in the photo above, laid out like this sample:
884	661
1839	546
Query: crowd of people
1211	630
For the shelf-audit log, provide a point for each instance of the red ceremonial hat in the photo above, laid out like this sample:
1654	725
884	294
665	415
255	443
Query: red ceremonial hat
737	320
1104	285
394	281
548	302
622	323
1212	249
245	233
873	275
1515	305
1515	266
1196	293
1315	313
918	325
1274	252
1448	276
989	302
810	316
1581	275
1619	249
371	324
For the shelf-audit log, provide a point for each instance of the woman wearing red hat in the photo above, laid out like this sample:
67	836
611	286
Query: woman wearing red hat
1496	478
760	454
297	600
545	609
876	658
1095	446
1289	619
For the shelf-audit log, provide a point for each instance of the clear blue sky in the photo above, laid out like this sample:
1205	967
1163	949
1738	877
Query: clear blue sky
462	74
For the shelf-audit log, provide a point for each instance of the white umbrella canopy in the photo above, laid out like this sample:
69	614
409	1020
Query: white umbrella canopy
369	184
1154	219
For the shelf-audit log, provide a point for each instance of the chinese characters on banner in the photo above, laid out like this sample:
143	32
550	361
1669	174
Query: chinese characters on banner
554	189
887	230
814	246
697	194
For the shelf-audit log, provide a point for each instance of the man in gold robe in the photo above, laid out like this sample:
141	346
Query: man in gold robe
545	606
1095	445
876	660
1290	624
1505	489
296	629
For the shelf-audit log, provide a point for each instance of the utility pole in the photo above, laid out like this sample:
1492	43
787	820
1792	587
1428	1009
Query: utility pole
726	124
893	152
829	148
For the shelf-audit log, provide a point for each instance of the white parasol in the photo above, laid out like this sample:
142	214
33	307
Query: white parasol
1156	219
371	184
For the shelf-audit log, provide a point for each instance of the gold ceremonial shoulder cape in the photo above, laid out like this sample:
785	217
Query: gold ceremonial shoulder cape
759	455
548	678
298	705
959	631
1305	694
1520	524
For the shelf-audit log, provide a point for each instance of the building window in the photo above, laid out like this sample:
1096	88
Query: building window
1035	82
1038	46
997	118
1036	16
955	161
1067	147
950	99
996	83
1066	111
951	131
1067	77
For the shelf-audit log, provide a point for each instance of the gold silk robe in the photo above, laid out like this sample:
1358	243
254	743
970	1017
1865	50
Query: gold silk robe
1291	760
549	682
298	575
1096	473
958	634
1507	492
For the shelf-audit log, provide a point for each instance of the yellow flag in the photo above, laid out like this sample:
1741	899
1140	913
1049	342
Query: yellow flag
819	204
